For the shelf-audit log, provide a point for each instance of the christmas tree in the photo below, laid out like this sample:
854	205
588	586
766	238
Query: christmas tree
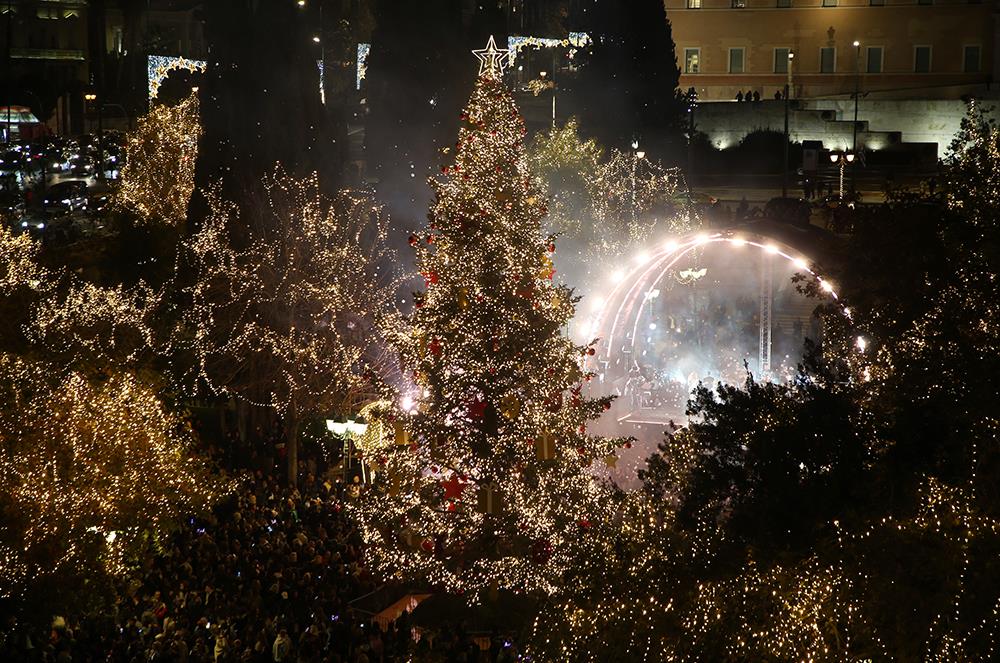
484	471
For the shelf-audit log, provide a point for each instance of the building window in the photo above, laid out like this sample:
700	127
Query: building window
827	60
736	57
781	60
692	60
922	59
739	4
783	4
694	4
829	3
874	60
970	62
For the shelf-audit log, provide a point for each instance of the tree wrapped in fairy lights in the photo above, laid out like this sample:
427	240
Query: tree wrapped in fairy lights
89	470
157	179
285	295
485	482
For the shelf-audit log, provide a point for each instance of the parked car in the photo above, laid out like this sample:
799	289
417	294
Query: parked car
11	205
66	196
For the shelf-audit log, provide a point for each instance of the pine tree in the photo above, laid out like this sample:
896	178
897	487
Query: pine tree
487	484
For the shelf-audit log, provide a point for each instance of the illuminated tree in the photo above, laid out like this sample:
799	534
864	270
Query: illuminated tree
284	298
564	164
485	481
157	178
87	326
604	204
89	471
22	282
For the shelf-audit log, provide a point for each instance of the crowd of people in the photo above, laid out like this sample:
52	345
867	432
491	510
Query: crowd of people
268	577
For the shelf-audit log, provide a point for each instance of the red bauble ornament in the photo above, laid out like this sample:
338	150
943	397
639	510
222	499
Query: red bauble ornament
551	248
477	409
427	545
590	351
434	346
413	240
584	524
628	445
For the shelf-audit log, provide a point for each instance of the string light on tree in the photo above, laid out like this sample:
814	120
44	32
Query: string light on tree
487	483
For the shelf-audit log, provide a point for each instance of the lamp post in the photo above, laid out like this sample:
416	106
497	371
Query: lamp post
637	155
857	92
347	431
788	88
542	75
842	158
10	77
92	97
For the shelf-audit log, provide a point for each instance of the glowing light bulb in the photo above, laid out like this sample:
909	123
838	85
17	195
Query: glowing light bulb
670	246
771	248
861	343
618	275
800	263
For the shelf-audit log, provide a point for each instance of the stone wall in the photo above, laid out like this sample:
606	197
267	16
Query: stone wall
883	124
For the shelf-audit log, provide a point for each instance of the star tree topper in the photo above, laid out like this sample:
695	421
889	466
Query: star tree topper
491	59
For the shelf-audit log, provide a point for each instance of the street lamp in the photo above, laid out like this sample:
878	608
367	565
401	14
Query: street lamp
347	431
92	97
842	158
857	91
639	154
788	87
542	75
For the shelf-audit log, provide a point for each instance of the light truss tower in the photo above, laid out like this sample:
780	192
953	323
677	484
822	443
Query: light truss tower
766	299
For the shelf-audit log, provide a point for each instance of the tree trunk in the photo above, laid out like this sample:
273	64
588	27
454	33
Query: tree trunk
292	448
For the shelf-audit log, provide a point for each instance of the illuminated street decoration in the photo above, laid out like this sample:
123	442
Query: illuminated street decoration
575	40
158	67
363	51
491	59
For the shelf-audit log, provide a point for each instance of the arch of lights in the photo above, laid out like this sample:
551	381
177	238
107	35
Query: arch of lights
615	319
158	67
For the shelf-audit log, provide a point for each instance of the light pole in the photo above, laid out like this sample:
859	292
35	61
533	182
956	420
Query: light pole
92	97
9	72
637	155
542	75
857	92
788	88
842	158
